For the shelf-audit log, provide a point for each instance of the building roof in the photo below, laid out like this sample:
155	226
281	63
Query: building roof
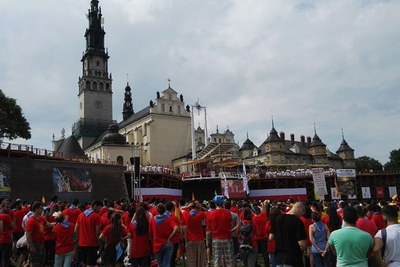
273	136
344	147
70	147
135	117
112	136
247	145
316	141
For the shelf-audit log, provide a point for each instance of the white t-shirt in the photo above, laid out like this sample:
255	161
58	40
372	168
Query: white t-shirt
392	247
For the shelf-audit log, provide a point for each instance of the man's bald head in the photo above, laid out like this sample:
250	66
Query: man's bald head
298	209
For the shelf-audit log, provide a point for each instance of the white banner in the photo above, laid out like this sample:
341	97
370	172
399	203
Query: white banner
366	192
319	181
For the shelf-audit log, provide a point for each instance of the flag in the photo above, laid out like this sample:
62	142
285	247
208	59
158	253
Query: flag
245	180
226	191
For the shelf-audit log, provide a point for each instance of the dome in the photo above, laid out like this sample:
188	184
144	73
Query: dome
112	136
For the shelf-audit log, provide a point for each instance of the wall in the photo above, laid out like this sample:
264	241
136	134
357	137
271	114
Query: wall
31	179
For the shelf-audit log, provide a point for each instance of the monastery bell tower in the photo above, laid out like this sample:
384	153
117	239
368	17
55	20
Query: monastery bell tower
95	85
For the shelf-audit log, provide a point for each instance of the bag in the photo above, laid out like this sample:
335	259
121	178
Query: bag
245	236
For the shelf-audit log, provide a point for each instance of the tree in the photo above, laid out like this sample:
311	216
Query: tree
367	163
12	121
394	160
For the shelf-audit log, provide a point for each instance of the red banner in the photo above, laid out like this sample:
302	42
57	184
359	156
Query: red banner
379	192
235	188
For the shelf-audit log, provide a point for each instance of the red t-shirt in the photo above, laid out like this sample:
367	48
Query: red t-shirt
208	220
140	246
178	236
221	223
260	220
64	238
161	231
126	220
194	225
107	232
49	234
87	229
36	226
377	218
307	222
6	235
367	226
18	216
72	214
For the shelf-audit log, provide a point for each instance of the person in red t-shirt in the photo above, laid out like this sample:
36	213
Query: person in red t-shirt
49	236
260	220
377	217
211	209
72	211
64	232
18	213
171	211
274	212
8	226
114	235
221	225
162	229
140	247
35	230
363	223
195	246
87	228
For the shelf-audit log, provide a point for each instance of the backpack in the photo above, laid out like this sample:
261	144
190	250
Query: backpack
245	236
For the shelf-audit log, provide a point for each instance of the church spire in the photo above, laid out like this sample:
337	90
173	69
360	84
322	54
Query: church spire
95	33
128	107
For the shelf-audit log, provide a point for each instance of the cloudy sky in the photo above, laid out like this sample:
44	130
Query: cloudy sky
332	63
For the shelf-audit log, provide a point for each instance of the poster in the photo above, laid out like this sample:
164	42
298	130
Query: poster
319	181
366	192
234	187
392	191
72	180
334	194
5	185
346	180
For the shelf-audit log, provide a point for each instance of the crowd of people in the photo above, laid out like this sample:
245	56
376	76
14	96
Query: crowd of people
218	232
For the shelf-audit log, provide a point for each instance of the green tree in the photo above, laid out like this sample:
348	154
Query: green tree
394	161
12	121
367	163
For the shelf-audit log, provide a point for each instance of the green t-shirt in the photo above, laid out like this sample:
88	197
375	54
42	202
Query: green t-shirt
352	246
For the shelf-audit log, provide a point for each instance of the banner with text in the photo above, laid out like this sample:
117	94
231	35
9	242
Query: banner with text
319	181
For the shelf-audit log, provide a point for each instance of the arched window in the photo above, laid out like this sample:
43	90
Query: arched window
120	160
94	85
87	85
101	86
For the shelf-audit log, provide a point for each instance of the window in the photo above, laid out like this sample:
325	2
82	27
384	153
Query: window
87	85
120	160
170	108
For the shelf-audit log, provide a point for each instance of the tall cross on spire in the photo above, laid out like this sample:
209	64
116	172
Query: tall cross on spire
169	82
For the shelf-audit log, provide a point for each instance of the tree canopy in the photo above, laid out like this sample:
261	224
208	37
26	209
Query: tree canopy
366	163
13	123
394	160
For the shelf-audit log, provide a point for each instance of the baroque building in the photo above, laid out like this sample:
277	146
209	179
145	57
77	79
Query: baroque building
278	153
